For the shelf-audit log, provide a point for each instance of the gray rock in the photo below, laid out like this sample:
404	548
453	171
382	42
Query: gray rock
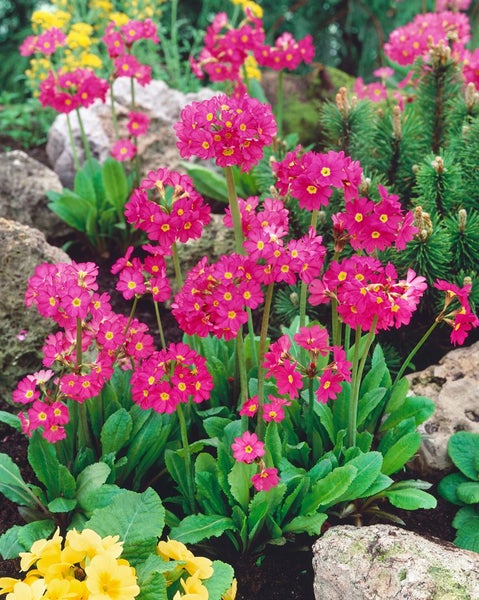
23	185
23	248
157	149
384	562
453	384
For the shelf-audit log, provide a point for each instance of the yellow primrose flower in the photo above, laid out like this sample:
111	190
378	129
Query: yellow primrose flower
254	7
195	565
63	589
252	69
78	40
44	19
89	60
25	591
194	590
103	5
231	593
43	552
119	18
6	584
87	543
108	579
61	3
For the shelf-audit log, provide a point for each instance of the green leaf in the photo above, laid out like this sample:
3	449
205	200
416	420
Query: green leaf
448	487
272	442
327	490
115	183
419	407
402	451
195	528
262	505
326	417
116	431
310	524
221	580
62	505
151	580
176	468
468	492
72	209
398	395
468	535
90	479
410	499
207	182
56	478
20	538
465	514
463	446
239	479
12	484
83	186
368	403
368	468
137	518
11	420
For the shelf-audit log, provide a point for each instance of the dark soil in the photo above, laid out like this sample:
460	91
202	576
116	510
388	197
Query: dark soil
280	573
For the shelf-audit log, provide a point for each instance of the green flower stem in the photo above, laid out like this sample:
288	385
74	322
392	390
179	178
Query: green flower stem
114	118
174	40
304	288
280	104
411	355
78	347
76	162
243	376
84	139
263	338
187	457
238	233
177	266
234	208
83	432
357	373
160	326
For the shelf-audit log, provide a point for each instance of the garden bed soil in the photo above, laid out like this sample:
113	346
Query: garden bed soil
281	571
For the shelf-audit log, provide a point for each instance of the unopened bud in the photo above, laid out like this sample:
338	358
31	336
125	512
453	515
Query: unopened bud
342	101
294	297
470	95
322	217
364	186
422	221
397	129
467	280
462	218
438	165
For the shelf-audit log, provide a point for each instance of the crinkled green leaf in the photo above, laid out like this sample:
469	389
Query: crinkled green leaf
196	528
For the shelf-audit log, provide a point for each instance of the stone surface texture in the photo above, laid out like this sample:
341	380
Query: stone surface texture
23	185
157	149
384	562
23	248
453	384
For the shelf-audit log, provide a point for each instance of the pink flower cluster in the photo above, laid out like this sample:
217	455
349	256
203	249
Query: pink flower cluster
369	294
46	43
311	177
287	53
460	318
168	209
371	226
265	232
67	91
273	410
233	131
68	294
407	43
137	277
214	297
248	448
170	376
226	50
289	373
119	43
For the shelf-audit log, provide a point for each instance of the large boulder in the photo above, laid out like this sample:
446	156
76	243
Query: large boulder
453	384
157	149
384	561
22	330
24	183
